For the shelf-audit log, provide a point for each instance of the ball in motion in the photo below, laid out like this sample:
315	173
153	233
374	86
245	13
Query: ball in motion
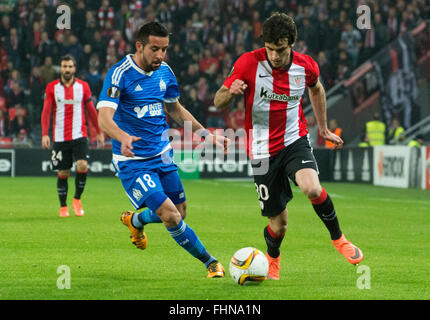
248	264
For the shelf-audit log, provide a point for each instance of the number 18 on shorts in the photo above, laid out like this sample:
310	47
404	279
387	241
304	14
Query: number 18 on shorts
150	189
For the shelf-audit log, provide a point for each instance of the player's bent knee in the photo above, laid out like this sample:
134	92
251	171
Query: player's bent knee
82	165
170	218
64	173
169	214
312	191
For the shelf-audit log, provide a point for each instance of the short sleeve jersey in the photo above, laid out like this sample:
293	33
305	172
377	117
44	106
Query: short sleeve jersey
274	115
138	98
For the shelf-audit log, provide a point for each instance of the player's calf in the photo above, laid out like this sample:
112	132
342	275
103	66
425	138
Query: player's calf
62	189
324	208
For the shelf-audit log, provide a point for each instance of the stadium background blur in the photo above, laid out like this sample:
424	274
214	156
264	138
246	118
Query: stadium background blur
207	37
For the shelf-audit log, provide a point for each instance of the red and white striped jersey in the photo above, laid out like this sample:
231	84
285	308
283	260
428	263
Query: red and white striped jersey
274	116
68	107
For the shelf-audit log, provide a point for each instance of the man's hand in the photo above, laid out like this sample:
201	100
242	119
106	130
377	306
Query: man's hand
219	141
224	96
46	142
100	140
238	87
126	145
330	136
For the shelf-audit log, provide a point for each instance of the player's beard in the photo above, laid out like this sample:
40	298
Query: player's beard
151	66
67	76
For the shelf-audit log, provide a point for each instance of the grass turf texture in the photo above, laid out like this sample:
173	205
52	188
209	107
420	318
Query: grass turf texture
390	225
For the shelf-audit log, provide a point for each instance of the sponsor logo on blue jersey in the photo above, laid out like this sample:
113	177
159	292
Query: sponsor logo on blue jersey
154	109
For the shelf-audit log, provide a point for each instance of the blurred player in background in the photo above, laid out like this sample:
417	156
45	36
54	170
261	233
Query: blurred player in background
136	93
273	80
68	98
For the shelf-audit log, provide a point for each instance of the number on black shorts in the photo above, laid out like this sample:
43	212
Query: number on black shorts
263	191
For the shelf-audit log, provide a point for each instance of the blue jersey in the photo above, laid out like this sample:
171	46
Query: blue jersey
138	98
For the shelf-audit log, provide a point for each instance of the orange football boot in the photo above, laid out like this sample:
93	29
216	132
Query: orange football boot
138	237
348	250
215	270
64	212
77	207
274	267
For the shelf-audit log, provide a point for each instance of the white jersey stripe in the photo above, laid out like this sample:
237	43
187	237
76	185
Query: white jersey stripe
59	95
260	112
78	96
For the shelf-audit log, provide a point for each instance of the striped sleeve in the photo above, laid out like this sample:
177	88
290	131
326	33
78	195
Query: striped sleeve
112	86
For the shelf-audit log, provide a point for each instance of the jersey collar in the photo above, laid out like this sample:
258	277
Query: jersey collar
136	67
63	84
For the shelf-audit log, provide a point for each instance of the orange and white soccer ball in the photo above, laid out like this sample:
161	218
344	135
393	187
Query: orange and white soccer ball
248	264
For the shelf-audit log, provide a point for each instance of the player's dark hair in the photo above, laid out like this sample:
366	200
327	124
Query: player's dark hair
68	57
150	29
279	26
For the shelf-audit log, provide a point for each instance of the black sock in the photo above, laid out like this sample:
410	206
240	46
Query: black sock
62	187
327	214
273	242
80	180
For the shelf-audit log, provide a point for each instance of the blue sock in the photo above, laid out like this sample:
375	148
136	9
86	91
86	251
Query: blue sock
144	217
149	216
187	239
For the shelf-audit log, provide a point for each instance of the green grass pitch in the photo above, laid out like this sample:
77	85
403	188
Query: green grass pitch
390	225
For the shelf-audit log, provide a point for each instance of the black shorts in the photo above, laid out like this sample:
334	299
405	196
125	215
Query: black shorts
64	153
273	187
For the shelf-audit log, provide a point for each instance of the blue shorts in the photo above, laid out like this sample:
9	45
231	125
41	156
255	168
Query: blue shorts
149	182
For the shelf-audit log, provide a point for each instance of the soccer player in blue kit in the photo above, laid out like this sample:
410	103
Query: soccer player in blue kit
136	93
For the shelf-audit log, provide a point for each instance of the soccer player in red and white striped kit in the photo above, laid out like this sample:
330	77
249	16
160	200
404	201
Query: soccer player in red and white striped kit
67	99
273	80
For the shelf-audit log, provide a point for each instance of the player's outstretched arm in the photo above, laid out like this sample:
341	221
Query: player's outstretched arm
224	96
318	101
109	127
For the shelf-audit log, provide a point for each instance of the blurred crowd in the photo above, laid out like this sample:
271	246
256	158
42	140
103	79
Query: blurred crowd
207	37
